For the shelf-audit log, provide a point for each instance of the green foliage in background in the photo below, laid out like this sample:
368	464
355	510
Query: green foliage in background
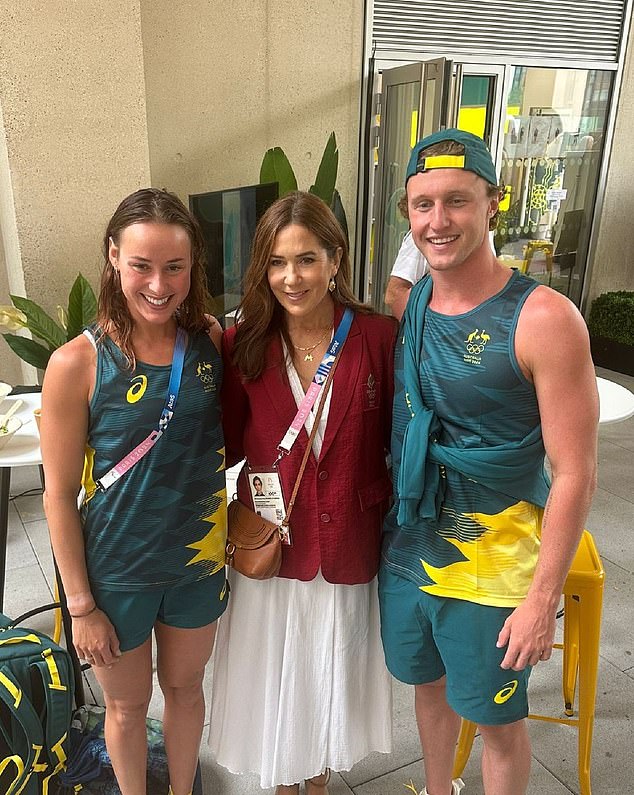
612	317
82	310
277	168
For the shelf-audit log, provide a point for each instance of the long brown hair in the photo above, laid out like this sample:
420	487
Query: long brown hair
261	315
151	205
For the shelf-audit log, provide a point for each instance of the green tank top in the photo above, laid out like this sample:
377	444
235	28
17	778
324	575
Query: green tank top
164	521
483	545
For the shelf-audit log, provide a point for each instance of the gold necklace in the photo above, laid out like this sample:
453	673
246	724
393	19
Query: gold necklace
311	348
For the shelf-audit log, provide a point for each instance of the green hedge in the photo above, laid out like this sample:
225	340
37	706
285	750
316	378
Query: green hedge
612	316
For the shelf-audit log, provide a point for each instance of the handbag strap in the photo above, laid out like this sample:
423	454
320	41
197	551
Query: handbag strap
311	438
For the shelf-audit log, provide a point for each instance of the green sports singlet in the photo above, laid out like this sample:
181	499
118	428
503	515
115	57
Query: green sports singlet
164	521
482	545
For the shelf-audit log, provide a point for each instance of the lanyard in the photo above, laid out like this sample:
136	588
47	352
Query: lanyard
341	333
178	359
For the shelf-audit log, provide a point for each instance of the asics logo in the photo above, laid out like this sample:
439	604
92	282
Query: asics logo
137	390
503	695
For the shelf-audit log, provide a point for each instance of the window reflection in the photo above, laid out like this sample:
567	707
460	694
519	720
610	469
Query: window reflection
553	138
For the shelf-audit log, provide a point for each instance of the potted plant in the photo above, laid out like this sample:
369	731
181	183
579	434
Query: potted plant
611	326
81	311
277	168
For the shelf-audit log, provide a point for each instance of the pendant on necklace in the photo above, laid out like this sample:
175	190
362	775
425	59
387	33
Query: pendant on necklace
308	357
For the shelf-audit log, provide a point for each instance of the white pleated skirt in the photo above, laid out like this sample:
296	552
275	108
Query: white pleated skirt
299	679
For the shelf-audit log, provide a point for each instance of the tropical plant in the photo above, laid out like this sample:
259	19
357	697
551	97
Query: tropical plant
82	310
277	168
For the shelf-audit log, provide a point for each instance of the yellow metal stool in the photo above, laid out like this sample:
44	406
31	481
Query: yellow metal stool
546	247
583	598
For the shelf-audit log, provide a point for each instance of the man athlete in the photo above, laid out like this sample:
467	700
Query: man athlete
479	542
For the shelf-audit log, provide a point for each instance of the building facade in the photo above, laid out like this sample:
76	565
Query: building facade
97	101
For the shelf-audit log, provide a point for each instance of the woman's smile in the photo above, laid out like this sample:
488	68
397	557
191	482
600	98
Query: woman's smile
300	270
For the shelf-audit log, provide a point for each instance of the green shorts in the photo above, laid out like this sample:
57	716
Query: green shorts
426	637
134	613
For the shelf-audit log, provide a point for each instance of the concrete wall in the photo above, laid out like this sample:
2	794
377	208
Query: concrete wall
227	81
73	103
11	283
613	262
100	99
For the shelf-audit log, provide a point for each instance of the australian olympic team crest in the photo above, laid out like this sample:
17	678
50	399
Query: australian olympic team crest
370	393
475	344
205	374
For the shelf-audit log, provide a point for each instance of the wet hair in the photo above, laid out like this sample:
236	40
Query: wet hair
455	148
150	205
261	315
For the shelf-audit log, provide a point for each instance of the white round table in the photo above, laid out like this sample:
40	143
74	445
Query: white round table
616	403
23	449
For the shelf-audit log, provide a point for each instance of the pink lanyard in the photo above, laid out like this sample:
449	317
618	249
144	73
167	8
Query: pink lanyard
126	463
312	393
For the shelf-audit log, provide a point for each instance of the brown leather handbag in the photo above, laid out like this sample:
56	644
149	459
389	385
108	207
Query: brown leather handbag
254	544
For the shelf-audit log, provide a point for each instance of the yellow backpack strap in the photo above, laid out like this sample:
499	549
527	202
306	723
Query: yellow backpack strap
13	688
36	767
56	672
25	716
16	759
30	638
55	683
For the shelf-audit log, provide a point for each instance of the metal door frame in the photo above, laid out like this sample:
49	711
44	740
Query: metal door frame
449	98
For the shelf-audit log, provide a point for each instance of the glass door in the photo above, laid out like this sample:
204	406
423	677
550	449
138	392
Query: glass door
414	103
417	100
479	94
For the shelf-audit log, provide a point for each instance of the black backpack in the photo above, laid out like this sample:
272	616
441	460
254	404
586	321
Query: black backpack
36	707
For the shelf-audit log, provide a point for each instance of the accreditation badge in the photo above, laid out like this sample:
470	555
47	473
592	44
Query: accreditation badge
268	498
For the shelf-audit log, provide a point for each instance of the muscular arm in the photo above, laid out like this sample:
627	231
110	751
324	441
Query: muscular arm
64	424
553	349
396	295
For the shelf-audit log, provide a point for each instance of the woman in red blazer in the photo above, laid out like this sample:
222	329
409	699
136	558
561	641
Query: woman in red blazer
300	685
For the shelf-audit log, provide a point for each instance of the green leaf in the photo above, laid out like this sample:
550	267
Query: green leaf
82	307
327	172
276	168
339	212
29	350
39	323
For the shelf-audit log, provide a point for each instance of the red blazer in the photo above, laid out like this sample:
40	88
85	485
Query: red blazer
338	514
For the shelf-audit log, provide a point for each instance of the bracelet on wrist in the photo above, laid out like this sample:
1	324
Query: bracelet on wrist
83	615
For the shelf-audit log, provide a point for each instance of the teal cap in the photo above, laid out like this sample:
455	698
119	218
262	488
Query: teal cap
476	158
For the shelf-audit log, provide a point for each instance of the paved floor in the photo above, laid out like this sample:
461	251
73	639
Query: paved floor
611	521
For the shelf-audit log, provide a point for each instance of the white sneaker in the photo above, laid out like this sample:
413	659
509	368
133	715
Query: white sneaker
458	784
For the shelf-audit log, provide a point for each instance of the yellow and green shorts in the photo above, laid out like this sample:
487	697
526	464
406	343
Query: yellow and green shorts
426	637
